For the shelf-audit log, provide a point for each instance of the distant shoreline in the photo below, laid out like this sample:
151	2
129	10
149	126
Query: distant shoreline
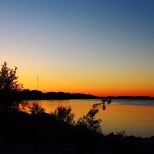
130	97
39	95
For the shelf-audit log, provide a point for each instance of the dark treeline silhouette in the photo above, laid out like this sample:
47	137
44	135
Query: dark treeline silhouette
130	97
34	94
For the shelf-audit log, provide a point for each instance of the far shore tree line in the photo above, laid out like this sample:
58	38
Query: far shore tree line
10	89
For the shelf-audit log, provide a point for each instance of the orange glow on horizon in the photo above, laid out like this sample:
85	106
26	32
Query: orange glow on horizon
97	87
101	93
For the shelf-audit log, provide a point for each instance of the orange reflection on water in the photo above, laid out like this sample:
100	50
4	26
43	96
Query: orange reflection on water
138	120
134	119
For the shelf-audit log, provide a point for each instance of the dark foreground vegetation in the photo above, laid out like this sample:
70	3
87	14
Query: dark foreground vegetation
37	132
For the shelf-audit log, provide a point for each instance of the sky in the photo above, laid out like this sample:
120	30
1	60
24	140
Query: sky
99	47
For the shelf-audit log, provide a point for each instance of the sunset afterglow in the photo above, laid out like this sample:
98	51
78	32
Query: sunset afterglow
103	48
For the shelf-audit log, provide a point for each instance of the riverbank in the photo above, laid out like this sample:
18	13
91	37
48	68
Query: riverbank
25	133
107	146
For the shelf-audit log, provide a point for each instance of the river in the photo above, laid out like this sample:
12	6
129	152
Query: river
135	117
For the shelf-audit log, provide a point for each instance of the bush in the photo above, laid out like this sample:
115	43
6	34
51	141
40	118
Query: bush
36	109
64	114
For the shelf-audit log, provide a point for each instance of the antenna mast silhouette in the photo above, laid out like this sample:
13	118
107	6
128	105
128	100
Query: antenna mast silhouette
37	82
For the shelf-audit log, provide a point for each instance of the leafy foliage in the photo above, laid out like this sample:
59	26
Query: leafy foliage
9	88
35	109
64	114
89	120
8	79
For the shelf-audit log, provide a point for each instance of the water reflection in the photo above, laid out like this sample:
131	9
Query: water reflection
120	115
134	102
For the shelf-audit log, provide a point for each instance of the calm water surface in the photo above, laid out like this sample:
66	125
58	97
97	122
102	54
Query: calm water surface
136	117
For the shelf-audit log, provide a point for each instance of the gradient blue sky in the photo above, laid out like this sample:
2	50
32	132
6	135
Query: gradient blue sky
102	47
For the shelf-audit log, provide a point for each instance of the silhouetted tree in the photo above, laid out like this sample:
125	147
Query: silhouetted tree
89	120
8	79
9	87
64	114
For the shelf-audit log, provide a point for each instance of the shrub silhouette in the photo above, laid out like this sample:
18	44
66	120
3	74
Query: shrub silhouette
64	114
35	109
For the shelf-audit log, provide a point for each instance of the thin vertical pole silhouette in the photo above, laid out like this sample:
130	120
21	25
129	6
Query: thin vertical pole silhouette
37	82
